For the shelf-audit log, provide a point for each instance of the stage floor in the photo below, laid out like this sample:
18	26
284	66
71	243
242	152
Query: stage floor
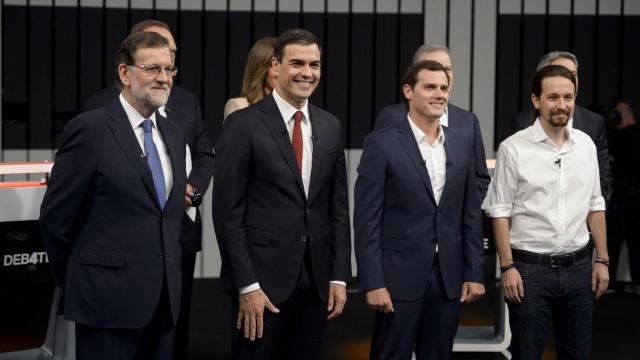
616	328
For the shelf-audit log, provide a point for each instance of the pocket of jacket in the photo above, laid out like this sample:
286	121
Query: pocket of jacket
258	236
100	257
395	244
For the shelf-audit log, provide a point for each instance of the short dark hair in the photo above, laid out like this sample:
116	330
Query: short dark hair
293	36
145	24
411	76
134	42
547	72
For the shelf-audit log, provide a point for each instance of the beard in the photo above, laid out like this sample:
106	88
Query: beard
559	121
145	98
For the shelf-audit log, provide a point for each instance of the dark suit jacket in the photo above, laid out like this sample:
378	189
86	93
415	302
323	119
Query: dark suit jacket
464	121
110	245
397	222
262	218
182	108
584	120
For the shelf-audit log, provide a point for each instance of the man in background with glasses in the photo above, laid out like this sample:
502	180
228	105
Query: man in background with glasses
112	213
183	108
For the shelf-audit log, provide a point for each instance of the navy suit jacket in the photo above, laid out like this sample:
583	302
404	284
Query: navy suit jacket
464	121
262	218
183	109
109	243
397	222
584	120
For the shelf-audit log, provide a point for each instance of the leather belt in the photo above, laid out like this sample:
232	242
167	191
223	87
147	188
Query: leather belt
552	260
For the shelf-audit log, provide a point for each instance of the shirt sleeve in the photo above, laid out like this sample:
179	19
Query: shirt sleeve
504	185
597	202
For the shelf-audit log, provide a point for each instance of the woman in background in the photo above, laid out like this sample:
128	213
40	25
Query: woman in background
259	76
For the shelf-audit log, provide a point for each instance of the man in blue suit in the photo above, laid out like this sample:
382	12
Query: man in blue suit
112	213
464	121
418	224
182	108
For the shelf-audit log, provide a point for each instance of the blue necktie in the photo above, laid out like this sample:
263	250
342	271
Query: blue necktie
153	159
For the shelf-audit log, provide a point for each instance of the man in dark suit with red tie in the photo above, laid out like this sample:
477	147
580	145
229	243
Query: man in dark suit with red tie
112	213
280	210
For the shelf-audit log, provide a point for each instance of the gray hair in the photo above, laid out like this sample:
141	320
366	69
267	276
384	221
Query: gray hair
429	48
548	58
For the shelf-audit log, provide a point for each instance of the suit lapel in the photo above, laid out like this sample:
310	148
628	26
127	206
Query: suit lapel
408	142
274	122
450	143
318	133
121	128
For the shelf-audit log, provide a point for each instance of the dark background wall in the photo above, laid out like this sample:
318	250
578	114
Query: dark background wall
56	57
606	47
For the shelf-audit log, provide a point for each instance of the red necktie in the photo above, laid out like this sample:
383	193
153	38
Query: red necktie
297	138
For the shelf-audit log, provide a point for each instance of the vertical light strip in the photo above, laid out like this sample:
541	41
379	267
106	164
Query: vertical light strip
460	45
484	70
435	24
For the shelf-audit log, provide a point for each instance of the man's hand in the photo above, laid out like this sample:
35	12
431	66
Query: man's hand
599	279
337	299
188	191
471	291
380	300
511	283
250	314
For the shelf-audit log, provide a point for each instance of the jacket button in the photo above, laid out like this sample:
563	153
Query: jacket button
303	238
434	241
307	211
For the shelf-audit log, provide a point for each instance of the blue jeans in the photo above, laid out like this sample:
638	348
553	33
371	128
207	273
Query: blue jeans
562	294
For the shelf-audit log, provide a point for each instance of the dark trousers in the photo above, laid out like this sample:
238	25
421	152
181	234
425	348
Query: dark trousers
427	325
562	294
295	333
623	224
153	341
181	347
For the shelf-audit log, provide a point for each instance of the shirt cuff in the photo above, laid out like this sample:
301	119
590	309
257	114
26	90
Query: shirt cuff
499	211
249	288
343	283
597	204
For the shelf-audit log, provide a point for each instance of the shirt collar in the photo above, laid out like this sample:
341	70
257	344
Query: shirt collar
421	137
539	135
134	116
444	119
287	110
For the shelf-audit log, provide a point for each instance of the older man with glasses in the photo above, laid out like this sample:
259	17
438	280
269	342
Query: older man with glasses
182	107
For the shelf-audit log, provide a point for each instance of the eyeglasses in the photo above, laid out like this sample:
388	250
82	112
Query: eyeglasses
155	70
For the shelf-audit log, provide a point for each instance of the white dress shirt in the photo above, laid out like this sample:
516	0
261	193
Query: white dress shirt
434	156
287	111
547	193
136	123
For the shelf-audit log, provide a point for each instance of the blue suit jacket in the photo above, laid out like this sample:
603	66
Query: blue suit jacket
109	243
397	222
464	121
183	109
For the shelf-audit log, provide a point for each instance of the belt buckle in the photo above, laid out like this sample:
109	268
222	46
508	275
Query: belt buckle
552	261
